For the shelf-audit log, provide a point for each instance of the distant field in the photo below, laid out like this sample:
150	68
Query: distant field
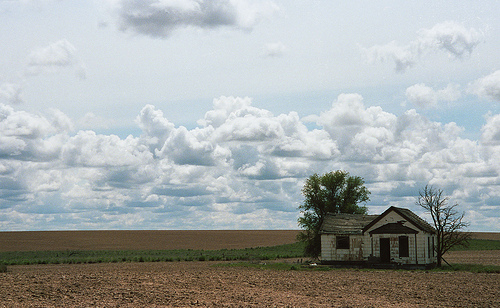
495	236
156	239
144	239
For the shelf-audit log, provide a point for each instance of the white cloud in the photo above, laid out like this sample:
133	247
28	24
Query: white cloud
451	37
185	147
491	130
88	149
448	36
11	92
32	137
93	121
274	50
487	87
242	160
49	59
426	97
53	57
404	57
30	126
158	18
155	127
349	121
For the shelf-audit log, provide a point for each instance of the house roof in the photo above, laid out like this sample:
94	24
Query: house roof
346	223
394	228
358	224
406	214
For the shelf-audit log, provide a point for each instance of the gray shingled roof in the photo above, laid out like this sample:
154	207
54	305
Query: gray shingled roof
358	223
346	223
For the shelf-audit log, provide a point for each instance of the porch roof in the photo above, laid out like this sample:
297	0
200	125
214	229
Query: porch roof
394	228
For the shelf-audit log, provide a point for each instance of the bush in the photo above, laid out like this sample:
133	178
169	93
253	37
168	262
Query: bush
3	268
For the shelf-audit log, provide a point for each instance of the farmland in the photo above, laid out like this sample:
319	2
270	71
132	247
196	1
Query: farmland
145	246
143	239
202	284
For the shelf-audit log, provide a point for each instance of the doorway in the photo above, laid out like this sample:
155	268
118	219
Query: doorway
385	250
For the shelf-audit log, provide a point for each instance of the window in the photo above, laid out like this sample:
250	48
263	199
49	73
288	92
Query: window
343	242
429	247
432	247
404	250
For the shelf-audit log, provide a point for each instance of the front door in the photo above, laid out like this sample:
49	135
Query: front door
385	250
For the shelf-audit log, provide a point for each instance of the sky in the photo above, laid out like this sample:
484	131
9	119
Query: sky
194	114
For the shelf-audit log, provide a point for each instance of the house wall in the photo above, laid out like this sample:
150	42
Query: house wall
422	255
330	253
421	240
366	246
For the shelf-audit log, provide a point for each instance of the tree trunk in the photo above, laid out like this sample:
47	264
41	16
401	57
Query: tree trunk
439	258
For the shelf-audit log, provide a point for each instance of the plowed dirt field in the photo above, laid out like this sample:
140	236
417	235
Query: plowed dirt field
144	239
200	284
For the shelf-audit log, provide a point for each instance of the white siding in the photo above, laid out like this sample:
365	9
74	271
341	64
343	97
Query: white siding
329	251
362	247
422	252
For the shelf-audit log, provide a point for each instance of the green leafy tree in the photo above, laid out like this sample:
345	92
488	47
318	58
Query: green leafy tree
447	221
332	192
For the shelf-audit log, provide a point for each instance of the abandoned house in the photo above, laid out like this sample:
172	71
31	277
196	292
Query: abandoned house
395	237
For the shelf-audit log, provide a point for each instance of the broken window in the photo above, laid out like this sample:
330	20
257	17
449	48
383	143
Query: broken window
404	250
343	242
432	247
429	247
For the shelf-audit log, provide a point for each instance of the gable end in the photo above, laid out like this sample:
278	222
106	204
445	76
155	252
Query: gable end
406	214
394	228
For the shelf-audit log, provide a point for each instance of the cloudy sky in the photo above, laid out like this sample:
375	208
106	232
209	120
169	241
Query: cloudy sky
194	114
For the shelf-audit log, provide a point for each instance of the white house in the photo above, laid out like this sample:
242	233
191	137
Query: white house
395	237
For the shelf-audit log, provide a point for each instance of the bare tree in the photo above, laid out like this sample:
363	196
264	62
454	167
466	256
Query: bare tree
447	221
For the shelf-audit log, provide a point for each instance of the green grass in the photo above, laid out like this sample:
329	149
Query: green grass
105	256
473	268
249	254
477	244
278	266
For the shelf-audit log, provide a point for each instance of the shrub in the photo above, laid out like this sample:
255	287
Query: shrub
3	268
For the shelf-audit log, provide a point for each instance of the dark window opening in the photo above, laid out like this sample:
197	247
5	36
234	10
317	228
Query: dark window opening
432	248
429	246
404	250
343	242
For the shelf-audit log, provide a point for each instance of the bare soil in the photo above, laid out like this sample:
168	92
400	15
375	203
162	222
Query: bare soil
484	257
495	236
144	239
198	284
155	239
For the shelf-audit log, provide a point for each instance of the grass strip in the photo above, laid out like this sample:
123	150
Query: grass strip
279	266
473	268
294	250
479	244
111	256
